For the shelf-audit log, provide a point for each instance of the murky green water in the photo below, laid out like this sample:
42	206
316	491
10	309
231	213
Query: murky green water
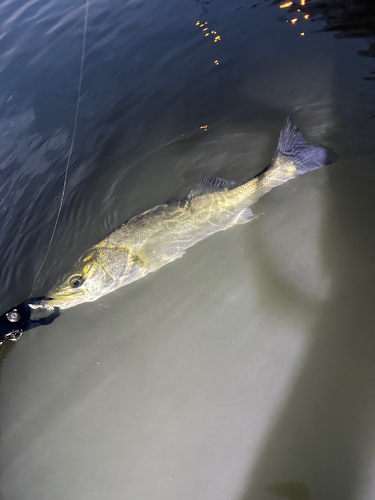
245	370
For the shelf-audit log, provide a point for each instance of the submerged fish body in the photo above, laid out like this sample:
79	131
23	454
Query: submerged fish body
154	238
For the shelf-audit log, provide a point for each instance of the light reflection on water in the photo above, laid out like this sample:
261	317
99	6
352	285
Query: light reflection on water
219	376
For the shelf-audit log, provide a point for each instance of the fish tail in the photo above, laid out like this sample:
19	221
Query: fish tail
293	149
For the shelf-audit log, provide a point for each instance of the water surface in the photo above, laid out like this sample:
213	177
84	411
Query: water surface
246	369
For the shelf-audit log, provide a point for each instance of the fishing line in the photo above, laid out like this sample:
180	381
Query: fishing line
71	144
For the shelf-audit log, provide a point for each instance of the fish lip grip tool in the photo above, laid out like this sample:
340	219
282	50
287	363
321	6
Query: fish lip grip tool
28	315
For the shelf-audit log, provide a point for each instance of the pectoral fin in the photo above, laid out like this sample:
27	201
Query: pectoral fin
153	259
246	215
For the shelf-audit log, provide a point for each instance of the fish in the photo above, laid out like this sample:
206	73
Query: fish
149	241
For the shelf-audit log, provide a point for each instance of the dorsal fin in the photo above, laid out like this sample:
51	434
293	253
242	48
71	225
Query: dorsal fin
210	184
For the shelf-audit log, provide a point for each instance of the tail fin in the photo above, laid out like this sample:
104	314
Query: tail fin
305	157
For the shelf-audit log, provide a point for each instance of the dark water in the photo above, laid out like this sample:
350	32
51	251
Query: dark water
246	370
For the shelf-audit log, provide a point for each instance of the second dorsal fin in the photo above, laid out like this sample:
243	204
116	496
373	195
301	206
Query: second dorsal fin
210	184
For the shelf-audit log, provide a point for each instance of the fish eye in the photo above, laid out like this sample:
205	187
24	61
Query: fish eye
76	281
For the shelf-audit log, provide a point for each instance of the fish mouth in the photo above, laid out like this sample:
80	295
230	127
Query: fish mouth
63	300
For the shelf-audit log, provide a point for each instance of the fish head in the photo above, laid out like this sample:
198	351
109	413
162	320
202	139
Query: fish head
96	273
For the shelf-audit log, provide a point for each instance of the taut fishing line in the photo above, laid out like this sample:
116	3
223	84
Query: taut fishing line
71	144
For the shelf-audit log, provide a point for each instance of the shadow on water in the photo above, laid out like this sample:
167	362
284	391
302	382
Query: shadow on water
324	436
5	350
322	440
